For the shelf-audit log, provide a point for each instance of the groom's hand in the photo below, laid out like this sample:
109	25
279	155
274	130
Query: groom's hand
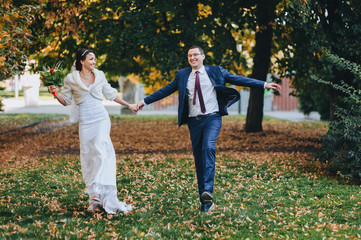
273	86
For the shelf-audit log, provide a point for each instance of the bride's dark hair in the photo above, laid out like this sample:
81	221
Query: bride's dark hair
81	55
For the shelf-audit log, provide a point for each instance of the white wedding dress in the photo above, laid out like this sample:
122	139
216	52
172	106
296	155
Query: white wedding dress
97	156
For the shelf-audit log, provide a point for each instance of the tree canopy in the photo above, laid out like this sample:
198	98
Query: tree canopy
305	30
132	36
14	36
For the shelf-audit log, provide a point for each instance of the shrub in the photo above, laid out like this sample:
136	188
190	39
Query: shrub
341	146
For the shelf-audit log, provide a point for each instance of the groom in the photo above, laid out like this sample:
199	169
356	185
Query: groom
203	99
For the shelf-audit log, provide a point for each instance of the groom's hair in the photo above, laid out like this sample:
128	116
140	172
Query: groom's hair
199	48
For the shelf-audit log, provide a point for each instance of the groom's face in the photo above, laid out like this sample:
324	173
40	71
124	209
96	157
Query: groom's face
195	58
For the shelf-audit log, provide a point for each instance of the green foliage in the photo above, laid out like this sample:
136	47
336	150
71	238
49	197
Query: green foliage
135	36
140	34
341	147
304	30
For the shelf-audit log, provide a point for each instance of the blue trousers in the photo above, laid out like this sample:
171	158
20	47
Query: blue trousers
204	134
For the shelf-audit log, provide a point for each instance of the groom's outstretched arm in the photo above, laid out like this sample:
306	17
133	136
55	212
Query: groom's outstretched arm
248	82
160	94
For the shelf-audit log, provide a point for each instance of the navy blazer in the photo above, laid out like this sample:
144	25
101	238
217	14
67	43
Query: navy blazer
218	76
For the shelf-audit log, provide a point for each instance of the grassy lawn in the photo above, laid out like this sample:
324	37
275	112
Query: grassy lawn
43	94
270	200
14	120
257	195
10	94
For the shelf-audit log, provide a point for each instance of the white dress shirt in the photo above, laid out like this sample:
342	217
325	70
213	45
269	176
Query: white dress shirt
208	91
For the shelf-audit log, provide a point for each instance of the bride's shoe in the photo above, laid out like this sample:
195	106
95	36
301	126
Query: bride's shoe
94	202
92	207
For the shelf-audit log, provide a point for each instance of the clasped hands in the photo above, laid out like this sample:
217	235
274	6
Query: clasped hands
136	107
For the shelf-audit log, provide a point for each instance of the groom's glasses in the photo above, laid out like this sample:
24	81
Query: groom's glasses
194	55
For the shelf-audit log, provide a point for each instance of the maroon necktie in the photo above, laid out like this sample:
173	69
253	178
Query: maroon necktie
197	88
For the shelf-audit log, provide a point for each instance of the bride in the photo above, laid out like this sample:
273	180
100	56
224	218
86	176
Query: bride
87	86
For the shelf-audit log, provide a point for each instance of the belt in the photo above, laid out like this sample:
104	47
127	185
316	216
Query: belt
199	117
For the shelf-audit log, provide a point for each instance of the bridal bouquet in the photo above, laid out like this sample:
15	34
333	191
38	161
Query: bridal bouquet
53	76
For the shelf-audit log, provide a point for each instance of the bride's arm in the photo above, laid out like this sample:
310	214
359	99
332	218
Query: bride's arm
132	107
54	88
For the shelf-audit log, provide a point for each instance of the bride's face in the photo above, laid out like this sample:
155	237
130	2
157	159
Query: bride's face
89	62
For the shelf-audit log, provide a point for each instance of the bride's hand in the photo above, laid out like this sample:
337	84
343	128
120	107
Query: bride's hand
52	88
133	108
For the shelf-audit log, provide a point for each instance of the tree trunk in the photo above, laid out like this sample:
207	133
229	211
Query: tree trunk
333	18
262	59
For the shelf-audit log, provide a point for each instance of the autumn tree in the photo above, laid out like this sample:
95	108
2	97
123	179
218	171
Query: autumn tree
14	37
56	31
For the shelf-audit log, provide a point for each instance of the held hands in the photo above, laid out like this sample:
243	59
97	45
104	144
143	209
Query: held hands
133	108
273	86
136	107
139	105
